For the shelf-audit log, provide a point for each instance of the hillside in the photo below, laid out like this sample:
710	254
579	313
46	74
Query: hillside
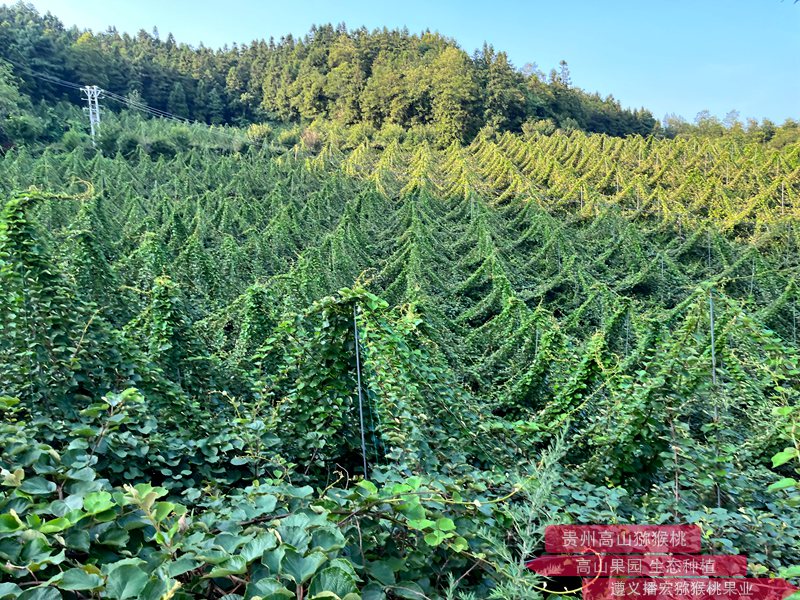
378	78
398	309
535	321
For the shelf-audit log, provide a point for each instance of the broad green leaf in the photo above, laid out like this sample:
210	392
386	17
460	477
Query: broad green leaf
115	536
333	579
301	568
9	590
445	524
255	548
40	593
328	538
408	590
161	510
382	571
434	538
268	589
125	579
421	523
59	524
156	589
793	571
10	522
182	565
414	482
273	559
233	566
782	484
12	479
368	485
37	486
783	457
265	504
459	544
97	502
75	580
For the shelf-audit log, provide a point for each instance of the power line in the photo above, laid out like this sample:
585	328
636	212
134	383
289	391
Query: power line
44	76
156	112
145	108
129	102
139	105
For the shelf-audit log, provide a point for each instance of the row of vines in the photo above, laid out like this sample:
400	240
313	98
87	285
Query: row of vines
380	374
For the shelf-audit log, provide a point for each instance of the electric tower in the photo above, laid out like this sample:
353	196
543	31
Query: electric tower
92	93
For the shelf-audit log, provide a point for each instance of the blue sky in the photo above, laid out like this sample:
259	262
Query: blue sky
680	56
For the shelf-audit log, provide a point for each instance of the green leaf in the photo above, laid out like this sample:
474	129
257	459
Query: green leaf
161	510
434	538
213	557
368	485
10	522
84	474
9	589
328	538
12	479
125	579
115	536
782	484
77	539
382	571
445	524
408	590
84	431
414	482
273	559
97	502
301	568
783	457
265	504
793	571
459	544
233	566
61	508
55	525
42	593
296	536
182	565
421	523
37	486
413	512
269	589
255	548
75	579
333	579
156	589
401	488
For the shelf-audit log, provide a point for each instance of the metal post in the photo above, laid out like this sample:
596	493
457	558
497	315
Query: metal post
360	395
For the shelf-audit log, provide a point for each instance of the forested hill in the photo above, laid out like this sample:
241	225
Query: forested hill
349	76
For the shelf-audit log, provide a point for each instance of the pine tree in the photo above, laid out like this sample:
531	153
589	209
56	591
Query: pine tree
177	103
216	107
505	101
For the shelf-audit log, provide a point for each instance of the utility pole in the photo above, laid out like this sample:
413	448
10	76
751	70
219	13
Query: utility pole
92	93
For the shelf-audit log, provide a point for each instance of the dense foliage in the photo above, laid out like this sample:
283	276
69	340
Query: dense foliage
376	78
393	313
562	328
